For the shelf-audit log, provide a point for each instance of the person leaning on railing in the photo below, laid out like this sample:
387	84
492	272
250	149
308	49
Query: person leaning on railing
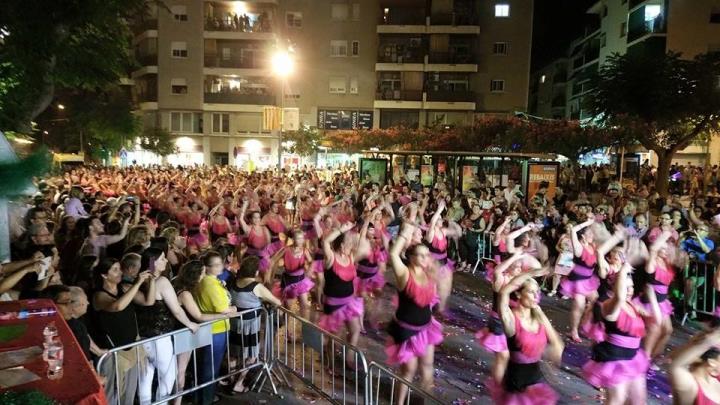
697	245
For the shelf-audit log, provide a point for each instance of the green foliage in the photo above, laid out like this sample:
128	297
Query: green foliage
303	142
158	140
53	45
661	101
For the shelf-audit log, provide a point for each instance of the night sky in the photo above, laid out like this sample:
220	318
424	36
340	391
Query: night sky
557	23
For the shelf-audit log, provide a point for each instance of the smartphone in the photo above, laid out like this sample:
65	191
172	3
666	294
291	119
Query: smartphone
44	267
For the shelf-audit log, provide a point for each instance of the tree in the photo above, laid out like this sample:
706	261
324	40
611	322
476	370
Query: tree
47	45
304	141
158	140
667	101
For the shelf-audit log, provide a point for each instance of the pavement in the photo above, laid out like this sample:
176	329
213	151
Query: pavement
462	367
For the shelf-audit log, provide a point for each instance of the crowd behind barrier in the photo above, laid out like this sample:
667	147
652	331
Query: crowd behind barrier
161	260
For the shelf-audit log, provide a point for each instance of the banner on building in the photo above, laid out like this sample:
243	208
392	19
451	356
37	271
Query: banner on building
271	118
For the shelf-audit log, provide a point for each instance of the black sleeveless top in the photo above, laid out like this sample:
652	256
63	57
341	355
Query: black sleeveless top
336	287
155	320
117	328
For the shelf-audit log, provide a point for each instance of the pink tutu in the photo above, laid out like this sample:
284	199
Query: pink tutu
490	341
336	320
666	308
317	266
368	285
581	287
447	269
610	373
536	394
562	270
382	256
595	331
273	248
295	290
415	346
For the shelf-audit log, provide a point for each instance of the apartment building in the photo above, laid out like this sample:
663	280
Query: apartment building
548	88
206	75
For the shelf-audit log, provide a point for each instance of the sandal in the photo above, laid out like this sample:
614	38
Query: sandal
243	390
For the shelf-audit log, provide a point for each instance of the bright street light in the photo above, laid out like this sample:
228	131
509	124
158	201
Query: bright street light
61	107
282	64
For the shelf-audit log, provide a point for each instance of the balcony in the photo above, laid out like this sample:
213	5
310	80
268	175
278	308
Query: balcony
646	28
402	21
238	97
236	27
451	62
454	23
145	25
451	96
407	99
400	60
148	96
252	62
147	60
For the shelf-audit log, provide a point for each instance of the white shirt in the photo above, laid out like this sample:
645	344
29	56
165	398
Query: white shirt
74	208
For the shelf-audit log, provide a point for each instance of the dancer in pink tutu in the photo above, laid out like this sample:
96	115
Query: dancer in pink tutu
499	247
528	332
294	284
695	371
564	263
610	260
323	224
618	364
436	239
275	223
492	337
660	274
341	308
257	239
372	258
582	283
414	332
219	225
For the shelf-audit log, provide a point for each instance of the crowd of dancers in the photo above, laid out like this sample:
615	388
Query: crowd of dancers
216	240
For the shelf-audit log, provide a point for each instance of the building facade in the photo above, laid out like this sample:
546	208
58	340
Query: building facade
620	26
205	68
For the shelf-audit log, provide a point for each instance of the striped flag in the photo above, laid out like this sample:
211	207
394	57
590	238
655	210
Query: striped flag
271	118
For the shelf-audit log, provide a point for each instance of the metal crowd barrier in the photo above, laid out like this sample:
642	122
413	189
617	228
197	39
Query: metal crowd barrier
186	343
484	253
380	392
699	294
312	355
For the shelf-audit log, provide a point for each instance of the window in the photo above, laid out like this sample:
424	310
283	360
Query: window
542	79
652	11
220	123
353	85
178	86
293	19
338	48
500	48
604	11
337	85
178	49
339	12
497	86
186	122
225	53
502	10
623	29
356	11
355	49
179	13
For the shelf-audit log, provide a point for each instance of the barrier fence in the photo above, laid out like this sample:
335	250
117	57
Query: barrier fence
170	356
699	293
485	249
379	374
266	341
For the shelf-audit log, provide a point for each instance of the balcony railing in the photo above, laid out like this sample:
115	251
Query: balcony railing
213	60
234	97
147	60
450	96
237	25
148	96
146	24
403	17
656	26
454	19
399	95
406	57
451	58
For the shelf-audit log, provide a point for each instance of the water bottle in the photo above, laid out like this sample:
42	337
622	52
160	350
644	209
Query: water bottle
54	355
26	313
50	332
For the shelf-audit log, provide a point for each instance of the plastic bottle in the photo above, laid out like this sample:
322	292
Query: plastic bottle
26	313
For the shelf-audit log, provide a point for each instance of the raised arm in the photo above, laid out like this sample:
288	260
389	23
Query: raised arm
683	381
606	247
327	243
506	315
103	302
245	227
577	246
167	292
437	216
400	269
510	242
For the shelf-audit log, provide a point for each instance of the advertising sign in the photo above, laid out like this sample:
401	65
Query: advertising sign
468	177
373	170
426	175
539	172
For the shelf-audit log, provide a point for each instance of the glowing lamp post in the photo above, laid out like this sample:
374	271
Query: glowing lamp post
282	66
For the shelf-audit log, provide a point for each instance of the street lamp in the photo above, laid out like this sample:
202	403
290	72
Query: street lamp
282	66
61	106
